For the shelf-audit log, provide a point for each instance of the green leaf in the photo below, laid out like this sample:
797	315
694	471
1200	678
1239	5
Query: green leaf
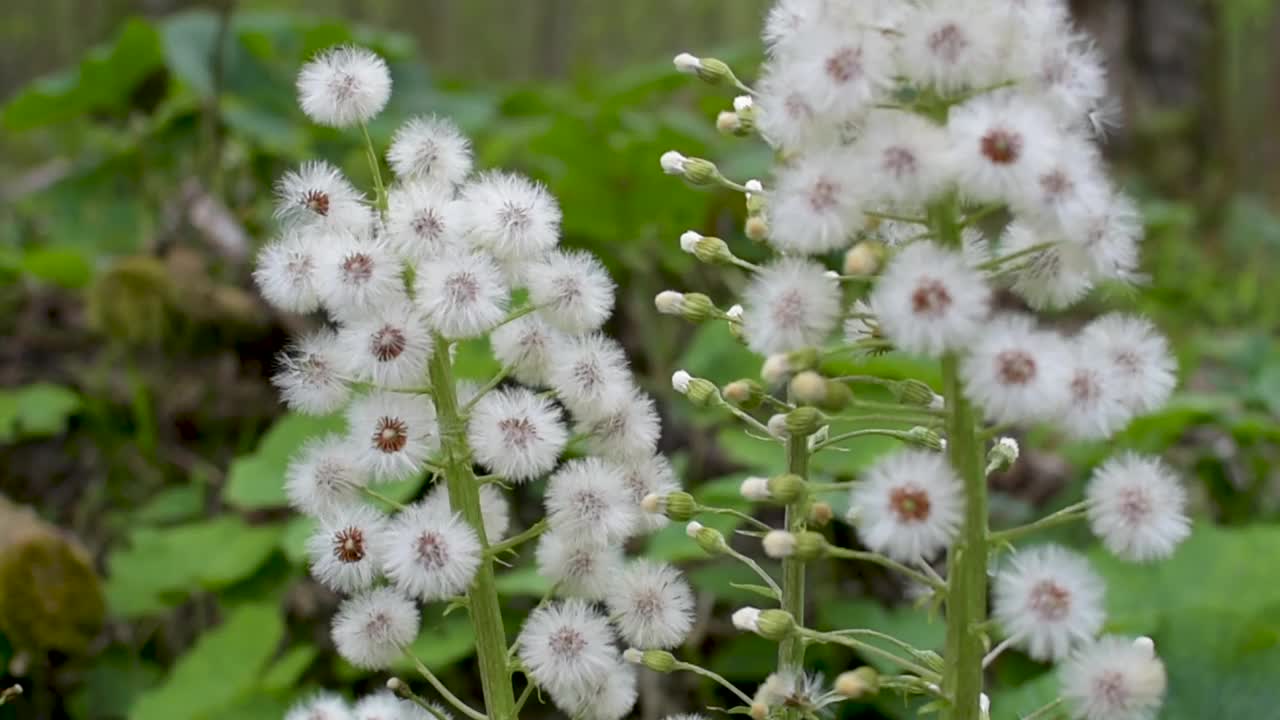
160	567
36	410
524	581
285	672
908	624
225	664
112	683
174	504
1221	664
256	481
293	541
1018	702
762	590
66	267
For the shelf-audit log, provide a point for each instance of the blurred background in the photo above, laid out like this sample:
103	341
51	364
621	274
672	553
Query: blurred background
148	566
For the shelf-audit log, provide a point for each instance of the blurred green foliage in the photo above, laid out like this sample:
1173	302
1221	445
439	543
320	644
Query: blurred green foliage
211	611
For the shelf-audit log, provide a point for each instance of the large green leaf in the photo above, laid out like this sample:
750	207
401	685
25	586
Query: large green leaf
160	567
256	481
225	665
36	410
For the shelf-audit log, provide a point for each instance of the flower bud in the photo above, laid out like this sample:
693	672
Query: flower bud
672	162
810	545
755	489
633	656
775	368
820	513
707	249
1002	455
858	683
687	63
396	685
759	711
699	171
913	392
709	539
679	506
756	228
709	70
658	660
694	307
744	393
803	359
865	258
757	203
788	488
747	618
803	421
777	426
775	624
741	104
727	122
779	544
703	393
680	381
651	503
926	438
808	388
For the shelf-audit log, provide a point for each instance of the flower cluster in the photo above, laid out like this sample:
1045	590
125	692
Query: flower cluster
441	256
938	181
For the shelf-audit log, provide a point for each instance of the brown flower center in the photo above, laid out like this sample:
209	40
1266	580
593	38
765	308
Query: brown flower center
1015	367
317	201
823	195
431	550
789	311
910	503
427	225
1134	505
387	343
462	288
947	42
1002	146
567	642
589	505
900	161
357	268
1049	601
348	545
845	65
930	298
1055	184
391	435
519	432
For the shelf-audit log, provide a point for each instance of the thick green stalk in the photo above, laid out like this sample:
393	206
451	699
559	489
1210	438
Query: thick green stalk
791	651
464	497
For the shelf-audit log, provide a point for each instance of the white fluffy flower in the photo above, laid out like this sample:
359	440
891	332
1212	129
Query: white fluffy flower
1049	600
786	117
610	698
1068	73
463	296
929	300
510	216
1001	144
372	629
323	706
1017	372
907	155
323	476
652	475
318	196
386	706
1109	232
839	71
431	149
357	275
392	433
495	509
516	433
389	347
579	568
790	304
343	547
572	291
1055	276
524	346
1139	355
309	377
1095	406
588	498
954	44
651	604
630	430
1068	188
908	505
567	647
590	374
429	552
1138	507
1114	679
422	221
815	206
344	86
286	273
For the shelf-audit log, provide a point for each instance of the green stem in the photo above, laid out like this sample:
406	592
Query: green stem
382	498
380	190
852	434
1067	514
699	670
524	696
1034	249
869	649
464	497
449	697
1044	711
884	562
734	513
895	217
791	650
755	567
515	541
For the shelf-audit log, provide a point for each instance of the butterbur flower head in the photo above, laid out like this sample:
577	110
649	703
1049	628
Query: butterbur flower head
1017	372
422	221
286	273
841	71
644	476
525	346
1109	234
323	477
580	568
495	509
357	275
1137	507
572	290
324	706
429	552
386	706
908	156
463	296
1095	408
909	505
954	45
389	347
814	206
630	430
791	304
392	433
318	196
344	86
430	149
1138	354
510	216
516	434
1057	275
309	377
1050	600
567	647
372	628
1001	144
587	498
929	301
590	374
1114	679
651	604
343	548
1067	71
610	698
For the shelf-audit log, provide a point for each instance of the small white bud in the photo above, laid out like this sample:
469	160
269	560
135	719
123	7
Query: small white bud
689	241
747	618
832	274
779	544
735	313
687	63
680	381
1010	446
754	186
394	684
669	302
775	368
1147	645
984	706
693	528
778	426
633	656
755	488
740	103
728	122
652	503
673	162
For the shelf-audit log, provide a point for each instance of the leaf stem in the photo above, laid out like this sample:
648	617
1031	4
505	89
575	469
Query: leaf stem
449	697
699	670
885	562
1066	515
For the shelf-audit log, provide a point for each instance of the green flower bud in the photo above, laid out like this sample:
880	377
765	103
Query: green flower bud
775	624
1002	455
707	249
746	394
808	388
700	171
926	438
810	545
756	228
698	307
659	661
836	397
715	72
858	683
702	393
709	539
680	506
804	421
788	488
913	392
820	513
865	258
804	359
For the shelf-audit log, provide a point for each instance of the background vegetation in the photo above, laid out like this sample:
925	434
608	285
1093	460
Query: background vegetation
142	444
